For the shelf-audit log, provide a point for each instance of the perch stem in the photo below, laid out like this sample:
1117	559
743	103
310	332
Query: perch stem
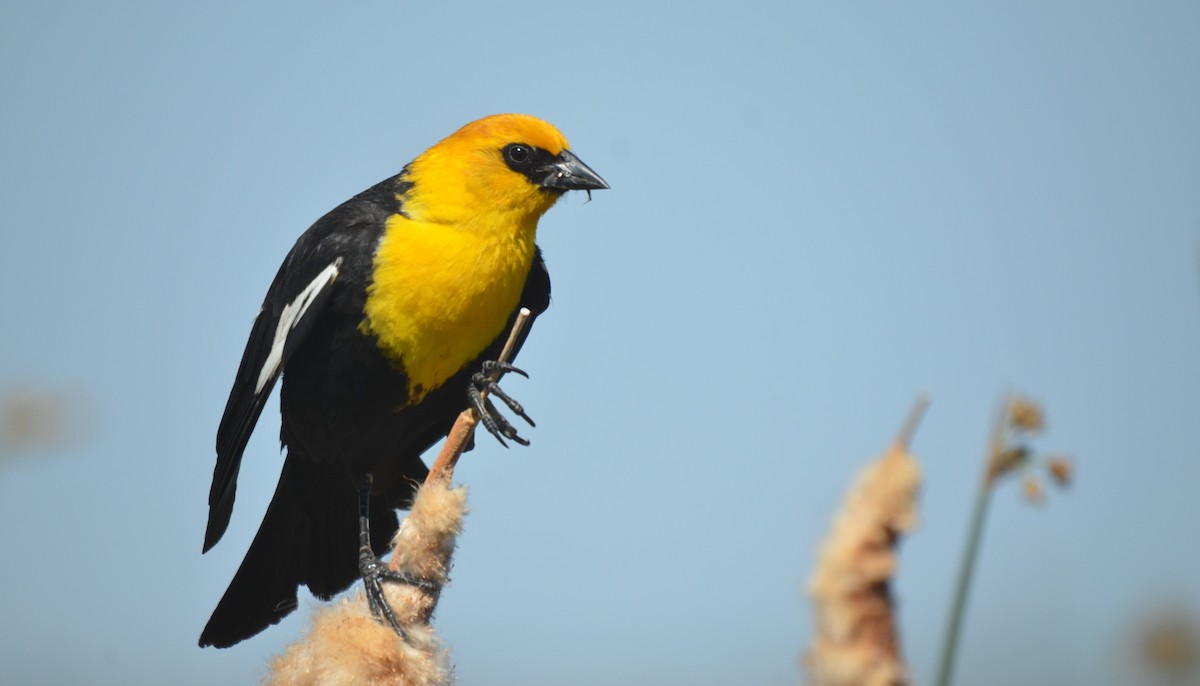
966	570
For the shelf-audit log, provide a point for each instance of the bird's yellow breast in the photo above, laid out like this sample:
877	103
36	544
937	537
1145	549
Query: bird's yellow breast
441	293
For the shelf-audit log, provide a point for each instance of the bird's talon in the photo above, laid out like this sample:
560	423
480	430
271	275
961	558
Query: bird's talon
493	367
374	575
492	420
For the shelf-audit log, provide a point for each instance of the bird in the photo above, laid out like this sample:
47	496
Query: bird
384	322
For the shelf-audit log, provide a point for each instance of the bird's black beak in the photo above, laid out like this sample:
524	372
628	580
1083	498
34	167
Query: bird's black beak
568	173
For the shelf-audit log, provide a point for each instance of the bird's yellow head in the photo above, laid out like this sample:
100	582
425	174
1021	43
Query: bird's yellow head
501	170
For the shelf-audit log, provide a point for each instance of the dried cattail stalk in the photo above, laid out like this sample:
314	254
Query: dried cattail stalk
347	645
857	637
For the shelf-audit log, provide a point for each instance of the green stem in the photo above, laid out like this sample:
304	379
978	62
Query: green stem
965	573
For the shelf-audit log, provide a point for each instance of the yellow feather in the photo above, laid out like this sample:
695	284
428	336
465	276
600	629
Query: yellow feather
449	272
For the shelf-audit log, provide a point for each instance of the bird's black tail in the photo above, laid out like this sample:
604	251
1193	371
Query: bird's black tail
309	536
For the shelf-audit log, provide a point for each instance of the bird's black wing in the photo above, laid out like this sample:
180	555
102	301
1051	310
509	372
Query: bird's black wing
340	242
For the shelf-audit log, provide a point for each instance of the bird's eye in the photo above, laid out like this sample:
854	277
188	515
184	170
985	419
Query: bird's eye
517	154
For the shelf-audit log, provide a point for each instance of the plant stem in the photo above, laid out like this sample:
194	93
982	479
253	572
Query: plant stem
965	574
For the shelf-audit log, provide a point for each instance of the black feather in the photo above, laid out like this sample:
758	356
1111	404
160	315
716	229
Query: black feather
344	413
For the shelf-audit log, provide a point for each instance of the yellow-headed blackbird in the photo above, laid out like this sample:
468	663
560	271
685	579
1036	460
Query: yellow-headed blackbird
382	321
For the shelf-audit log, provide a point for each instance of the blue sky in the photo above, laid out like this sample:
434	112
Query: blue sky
819	210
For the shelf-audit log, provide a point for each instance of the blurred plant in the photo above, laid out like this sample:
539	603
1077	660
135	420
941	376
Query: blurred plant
1009	454
36	420
857	638
1168	645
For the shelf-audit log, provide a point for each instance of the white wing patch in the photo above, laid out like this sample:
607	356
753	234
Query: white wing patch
292	313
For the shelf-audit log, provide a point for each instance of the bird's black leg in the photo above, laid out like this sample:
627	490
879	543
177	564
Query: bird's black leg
491	418
374	572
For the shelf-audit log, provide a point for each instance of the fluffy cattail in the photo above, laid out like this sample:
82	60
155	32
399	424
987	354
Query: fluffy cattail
857	636
346	645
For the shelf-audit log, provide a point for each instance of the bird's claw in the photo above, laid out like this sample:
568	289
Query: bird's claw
500	369
374	575
496	424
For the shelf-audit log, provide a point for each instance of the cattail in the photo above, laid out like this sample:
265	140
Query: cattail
857	636
347	645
